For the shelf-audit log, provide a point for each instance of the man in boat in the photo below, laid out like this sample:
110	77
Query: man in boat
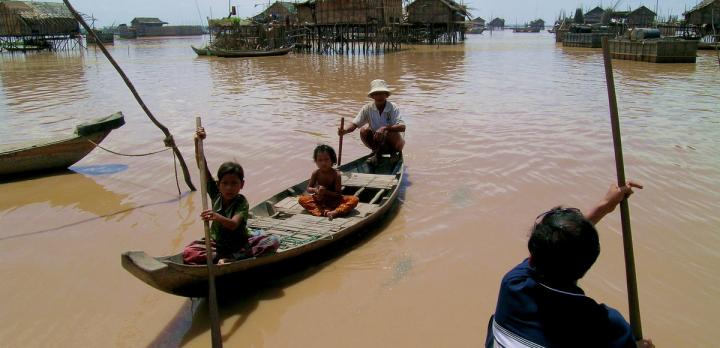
385	130
540	304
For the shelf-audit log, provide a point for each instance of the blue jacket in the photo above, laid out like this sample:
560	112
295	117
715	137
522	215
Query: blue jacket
540	316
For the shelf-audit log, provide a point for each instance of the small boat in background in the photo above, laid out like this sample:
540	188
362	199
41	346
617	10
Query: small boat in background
300	233
200	51
214	51
58	152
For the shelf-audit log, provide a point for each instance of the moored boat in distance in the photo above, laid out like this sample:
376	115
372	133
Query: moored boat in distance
200	51
57	152
214	51
300	233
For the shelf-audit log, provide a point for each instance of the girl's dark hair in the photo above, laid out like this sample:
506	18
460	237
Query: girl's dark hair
231	168
563	245
326	149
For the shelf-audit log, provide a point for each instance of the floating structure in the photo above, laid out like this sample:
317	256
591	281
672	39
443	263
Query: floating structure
152	26
534	27
654	50
26	25
105	37
586	40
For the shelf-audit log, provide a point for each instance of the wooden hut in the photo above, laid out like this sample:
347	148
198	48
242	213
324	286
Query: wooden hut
594	16
640	17
436	12
353	12
497	23
24	18
478	22
704	14
142	25
280	11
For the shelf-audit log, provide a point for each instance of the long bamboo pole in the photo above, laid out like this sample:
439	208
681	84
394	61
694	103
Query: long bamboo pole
633	300
212	295
342	127
169	141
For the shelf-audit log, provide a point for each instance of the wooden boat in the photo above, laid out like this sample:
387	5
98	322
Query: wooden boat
300	233
214	51
200	51
58	152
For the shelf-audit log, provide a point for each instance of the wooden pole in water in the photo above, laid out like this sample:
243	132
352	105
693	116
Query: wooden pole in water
633	300
169	141
342	126
212	295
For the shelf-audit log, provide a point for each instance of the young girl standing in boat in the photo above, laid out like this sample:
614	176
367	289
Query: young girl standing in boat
228	217
324	188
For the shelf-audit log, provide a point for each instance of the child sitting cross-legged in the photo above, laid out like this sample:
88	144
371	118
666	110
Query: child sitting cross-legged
325	198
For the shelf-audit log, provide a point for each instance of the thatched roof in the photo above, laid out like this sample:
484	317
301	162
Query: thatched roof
457	7
36	18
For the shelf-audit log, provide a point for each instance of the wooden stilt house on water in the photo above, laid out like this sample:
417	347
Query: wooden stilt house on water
435	21
279	11
337	26
28	26
497	24
706	17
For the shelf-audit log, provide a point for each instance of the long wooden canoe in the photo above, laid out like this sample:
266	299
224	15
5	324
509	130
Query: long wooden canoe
299	232
214	51
57	152
200	51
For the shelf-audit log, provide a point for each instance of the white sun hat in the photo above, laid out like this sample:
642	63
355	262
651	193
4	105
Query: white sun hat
378	86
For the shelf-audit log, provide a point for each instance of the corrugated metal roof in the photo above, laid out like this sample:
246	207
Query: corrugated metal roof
148	20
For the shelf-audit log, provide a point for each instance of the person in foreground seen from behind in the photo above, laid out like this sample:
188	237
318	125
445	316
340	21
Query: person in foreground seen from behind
384	134
540	303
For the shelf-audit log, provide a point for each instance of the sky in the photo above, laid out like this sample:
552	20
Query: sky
195	11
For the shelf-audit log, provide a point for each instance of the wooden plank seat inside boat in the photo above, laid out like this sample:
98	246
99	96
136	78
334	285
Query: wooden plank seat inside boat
290	206
378	181
299	229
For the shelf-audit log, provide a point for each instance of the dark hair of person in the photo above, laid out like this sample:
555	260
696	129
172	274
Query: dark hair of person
563	245
231	168
326	149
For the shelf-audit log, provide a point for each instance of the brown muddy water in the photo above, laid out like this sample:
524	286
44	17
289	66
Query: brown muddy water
499	129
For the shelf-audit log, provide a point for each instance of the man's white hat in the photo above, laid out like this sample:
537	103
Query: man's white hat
378	86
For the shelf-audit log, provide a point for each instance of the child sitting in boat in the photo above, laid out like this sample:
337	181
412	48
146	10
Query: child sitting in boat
325	198
231	239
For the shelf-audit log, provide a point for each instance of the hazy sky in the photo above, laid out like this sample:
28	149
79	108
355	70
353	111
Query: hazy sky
191	11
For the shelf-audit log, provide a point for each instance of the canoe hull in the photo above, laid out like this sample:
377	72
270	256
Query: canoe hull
199	51
170	275
241	54
54	153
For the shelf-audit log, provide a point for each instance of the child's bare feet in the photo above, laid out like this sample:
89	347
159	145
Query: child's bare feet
331	214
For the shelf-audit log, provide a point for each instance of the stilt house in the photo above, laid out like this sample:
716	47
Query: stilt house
24	18
280	11
436	12
705	14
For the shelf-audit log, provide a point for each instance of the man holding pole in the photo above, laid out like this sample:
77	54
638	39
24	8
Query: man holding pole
540	304
384	134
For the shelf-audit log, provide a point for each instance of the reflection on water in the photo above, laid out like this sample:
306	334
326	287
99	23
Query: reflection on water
499	129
